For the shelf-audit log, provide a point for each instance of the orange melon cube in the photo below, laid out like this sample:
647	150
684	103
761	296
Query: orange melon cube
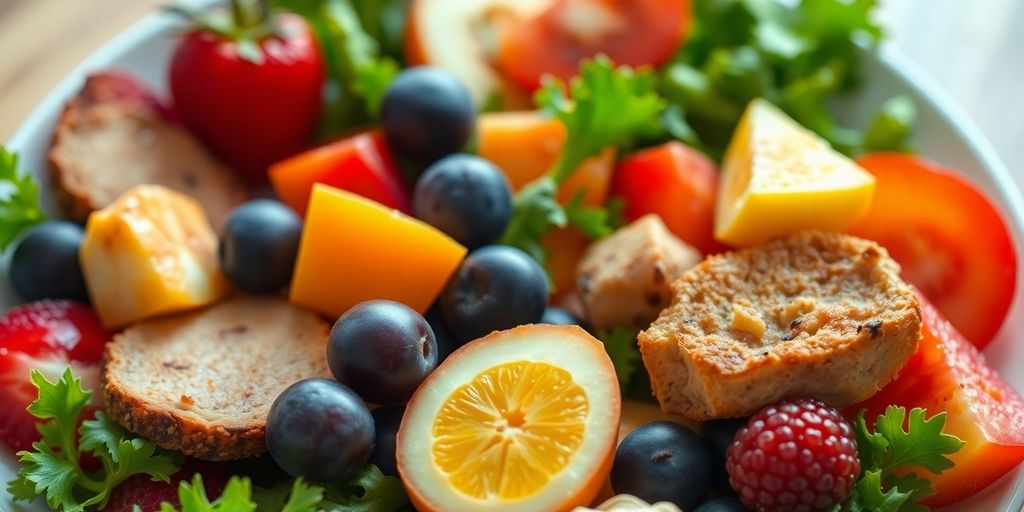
525	144
354	249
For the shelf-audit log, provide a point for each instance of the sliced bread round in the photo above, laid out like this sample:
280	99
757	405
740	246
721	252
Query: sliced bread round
202	383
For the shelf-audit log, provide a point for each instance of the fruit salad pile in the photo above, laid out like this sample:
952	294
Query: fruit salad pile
495	206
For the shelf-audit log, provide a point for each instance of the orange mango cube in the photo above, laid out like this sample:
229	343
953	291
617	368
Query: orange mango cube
525	144
354	249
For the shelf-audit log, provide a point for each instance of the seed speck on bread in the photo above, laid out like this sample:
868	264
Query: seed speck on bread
813	314
203	382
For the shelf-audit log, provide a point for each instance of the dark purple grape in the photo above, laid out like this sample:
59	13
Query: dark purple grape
44	264
717	436
320	430
447	342
387	420
426	114
496	287
383	350
259	246
663	461
466	197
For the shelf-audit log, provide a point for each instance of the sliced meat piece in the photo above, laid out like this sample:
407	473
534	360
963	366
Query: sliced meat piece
814	314
202	383
112	137
625	279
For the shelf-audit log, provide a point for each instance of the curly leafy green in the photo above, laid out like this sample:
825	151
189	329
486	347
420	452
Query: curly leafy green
53	468
368	490
890	456
358	74
607	106
798	55
19	199
622	350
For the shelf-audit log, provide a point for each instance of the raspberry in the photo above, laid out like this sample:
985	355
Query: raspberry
797	455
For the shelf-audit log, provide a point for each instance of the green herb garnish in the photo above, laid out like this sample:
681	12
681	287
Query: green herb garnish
890	455
358	74
368	490
53	468
607	106
19	199
799	56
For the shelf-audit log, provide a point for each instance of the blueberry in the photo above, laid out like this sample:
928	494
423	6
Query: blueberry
663	461
320	430
717	436
259	245
427	114
44	265
383	350
447	342
387	420
496	287
466	197
559	316
722	504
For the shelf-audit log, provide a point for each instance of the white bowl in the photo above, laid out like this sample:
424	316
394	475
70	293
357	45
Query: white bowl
944	134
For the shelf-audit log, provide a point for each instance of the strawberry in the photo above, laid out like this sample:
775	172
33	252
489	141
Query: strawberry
48	335
141	490
248	84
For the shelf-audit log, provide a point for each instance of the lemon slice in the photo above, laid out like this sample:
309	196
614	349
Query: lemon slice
779	178
525	419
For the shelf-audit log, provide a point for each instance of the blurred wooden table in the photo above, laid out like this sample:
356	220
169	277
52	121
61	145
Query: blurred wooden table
974	52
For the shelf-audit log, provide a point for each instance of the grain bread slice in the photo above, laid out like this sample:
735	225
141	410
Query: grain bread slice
112	136
202	383
814	314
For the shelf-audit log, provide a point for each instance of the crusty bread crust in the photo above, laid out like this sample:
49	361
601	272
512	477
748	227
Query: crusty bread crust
625	279
202	383
813	314
103	145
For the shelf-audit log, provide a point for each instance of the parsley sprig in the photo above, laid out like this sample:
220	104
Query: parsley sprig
19	199
607	106
53	468
891	455
368	490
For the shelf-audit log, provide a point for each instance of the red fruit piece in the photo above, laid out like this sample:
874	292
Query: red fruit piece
676	182
251	91
948	374
141	490
793	456
48	336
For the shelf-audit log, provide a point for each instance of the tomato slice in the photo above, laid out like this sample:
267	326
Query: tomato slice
947	374
949	238
361	164
676	182
630	32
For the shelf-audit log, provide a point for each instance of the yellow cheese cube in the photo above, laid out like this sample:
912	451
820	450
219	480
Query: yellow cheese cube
149	253
354	249
780	178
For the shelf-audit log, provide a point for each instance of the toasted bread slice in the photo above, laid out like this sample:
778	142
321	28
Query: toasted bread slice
814	314
202	383
109	140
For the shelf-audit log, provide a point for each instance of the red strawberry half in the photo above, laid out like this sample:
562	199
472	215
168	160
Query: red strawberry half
47	336
141	490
